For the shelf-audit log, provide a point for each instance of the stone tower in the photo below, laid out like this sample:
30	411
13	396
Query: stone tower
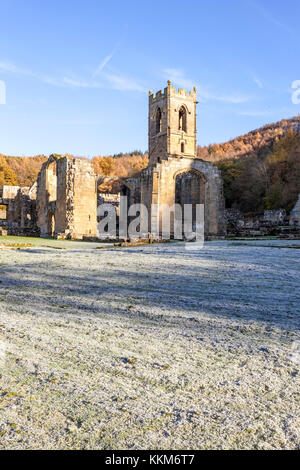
172	124
175	175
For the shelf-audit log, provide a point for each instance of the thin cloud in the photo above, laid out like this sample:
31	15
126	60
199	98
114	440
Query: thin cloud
178	77
10	67
253	113
233	99
122	83
114	80
258	82
52	81
80	84
104	62
108	80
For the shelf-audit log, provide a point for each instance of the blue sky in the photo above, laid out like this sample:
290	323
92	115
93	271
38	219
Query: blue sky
77	73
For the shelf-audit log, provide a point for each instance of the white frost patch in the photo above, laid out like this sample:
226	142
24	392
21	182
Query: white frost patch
152	347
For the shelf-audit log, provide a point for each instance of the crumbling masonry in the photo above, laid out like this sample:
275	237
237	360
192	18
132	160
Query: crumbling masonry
175	174
63	202
67	198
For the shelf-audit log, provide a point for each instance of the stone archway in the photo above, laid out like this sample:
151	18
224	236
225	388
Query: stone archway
126	191
51	224
189	189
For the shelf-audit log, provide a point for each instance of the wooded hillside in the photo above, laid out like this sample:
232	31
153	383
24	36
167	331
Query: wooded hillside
261	169
269	179
20	171
257	142
23	171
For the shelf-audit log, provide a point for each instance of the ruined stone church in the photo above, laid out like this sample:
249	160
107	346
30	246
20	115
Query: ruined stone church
63	202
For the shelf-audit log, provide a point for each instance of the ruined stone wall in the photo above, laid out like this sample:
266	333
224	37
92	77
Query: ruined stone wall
149	195
3	213
131	187
21	213
69	196
43	198
61	212
7	201
107	198
159	186
295	214
9	192
81	199
66	201
271	223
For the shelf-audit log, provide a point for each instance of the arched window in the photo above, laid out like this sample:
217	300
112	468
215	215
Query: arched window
158	121
182	119
182	147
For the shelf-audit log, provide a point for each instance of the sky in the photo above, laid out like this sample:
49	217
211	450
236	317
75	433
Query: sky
76	74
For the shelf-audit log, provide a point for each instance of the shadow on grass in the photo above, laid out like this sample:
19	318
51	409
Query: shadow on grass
256	295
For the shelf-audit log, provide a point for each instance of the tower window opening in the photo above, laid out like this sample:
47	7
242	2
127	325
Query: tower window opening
182	147
182	119
158	121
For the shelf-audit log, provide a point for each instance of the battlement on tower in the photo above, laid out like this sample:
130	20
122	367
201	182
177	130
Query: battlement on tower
171	91
153	98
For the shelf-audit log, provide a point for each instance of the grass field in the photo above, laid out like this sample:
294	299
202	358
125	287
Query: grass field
153	347
50	243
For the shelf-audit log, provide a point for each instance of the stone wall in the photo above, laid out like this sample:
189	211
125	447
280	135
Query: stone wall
295	214
107	198
158	186
67	198
271	223
9	193
3	213
82	199
21	212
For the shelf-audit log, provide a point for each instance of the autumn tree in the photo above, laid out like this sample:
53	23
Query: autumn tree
7	175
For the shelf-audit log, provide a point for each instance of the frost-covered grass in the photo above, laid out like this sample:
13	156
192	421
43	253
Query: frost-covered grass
49	242
152	347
